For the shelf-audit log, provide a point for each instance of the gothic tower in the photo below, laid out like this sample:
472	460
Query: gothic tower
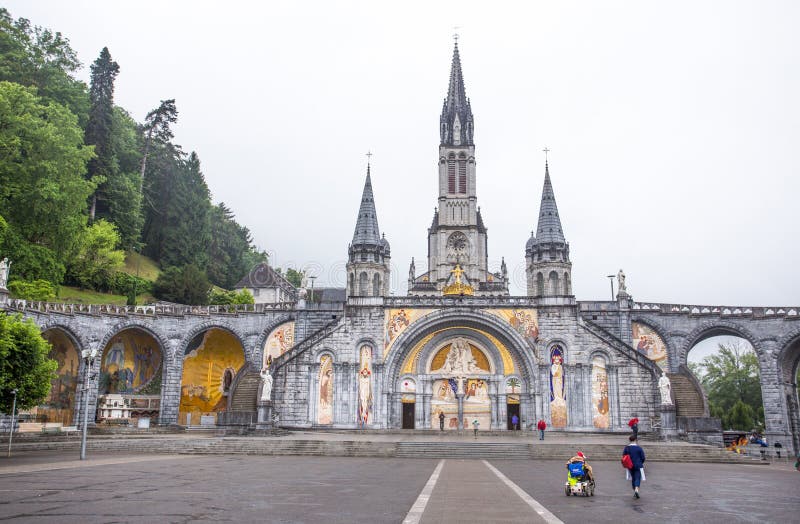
368	253
457	236
548	268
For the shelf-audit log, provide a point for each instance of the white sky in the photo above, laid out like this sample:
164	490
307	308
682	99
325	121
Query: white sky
673	127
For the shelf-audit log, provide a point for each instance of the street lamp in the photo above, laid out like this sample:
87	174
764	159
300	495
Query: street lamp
88	362
611	281
313	278
13	413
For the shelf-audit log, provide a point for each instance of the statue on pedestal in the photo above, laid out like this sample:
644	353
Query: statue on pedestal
266	385
621	282
665	388
5	266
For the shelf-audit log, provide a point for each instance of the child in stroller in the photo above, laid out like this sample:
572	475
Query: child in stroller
580	478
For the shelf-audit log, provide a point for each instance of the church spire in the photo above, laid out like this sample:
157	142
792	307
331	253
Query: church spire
549	228
456	123
367	231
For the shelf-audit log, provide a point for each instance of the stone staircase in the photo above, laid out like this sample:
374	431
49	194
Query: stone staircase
666	452
688	400
245	395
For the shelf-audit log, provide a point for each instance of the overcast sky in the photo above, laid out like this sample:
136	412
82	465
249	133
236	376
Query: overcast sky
673	127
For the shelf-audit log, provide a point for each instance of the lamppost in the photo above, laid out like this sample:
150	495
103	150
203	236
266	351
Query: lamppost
88	362
611	281
13	414
313	278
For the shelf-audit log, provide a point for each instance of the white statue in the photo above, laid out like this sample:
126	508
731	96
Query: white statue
665	388
266	385
621	282
460	385
459	359
5	266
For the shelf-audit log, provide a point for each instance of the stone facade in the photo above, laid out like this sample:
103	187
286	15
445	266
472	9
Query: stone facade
360	358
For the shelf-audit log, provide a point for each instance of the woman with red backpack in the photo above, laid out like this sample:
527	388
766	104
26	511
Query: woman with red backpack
633	460
634	425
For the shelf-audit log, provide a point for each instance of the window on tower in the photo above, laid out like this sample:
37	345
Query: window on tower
451	174
462	176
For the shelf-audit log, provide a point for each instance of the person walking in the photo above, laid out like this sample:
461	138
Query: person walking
515	422
635	465
541	426
634	425
475	425
441	421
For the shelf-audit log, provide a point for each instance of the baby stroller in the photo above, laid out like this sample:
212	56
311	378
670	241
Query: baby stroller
577	482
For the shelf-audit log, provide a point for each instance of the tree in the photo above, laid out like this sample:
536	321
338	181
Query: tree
43	191
230	297
183	285
41	290
97	258
732	376
294	277
156	127
124	191
99	129
37	57
24	363
229	251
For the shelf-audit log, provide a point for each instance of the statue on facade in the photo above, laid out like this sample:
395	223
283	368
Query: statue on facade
621	282
266	385
665	388
459	359
5	266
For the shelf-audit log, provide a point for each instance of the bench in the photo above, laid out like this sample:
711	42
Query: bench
69	429
51	429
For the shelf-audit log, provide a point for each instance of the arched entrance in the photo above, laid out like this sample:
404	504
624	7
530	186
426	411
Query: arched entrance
458	363
211	360
60	405
789	376
130	377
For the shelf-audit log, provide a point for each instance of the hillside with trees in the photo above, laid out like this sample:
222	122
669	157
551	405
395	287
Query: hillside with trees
83	185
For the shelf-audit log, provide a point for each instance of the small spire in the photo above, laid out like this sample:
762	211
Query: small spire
549	228
367	231
456	122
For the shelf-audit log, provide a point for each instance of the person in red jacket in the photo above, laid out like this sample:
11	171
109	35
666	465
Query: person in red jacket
541	426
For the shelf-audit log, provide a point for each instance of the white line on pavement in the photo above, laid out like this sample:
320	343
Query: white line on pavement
538	508
415	514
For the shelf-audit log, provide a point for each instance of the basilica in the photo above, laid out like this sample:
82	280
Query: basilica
457	349
458	344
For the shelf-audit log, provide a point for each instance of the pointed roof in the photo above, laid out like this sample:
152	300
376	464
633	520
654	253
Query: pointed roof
549	228
456	104
367	231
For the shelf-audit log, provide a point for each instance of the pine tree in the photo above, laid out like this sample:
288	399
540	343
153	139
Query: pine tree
156	128
99	130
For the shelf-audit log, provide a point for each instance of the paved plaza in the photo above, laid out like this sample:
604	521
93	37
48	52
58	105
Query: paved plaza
54	487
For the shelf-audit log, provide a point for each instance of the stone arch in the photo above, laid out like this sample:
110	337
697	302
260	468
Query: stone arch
376	285
215	324
567	284
673	358
556	342
77	339
539	284
520	350
61	403
479	340
718	327
602	353
363	284
788	363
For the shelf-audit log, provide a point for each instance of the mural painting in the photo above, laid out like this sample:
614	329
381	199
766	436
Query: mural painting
279	341
444	401
131	364
60	404
397	320
513	389
453	357
524	322
325	406
647	342
408	388
558	399
599	393
210	362
365	386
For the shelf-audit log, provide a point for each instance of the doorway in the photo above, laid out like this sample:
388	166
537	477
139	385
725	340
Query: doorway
408	415
511	410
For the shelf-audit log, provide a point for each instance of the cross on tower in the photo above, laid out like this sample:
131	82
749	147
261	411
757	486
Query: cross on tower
546	150
369	156
455	34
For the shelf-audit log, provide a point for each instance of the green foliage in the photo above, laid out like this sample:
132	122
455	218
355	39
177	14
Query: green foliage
230	297
294	277
97	258
730	378
40	290
24	363
102	168
230	248
183	285
43	193
123	189
37	57
156	130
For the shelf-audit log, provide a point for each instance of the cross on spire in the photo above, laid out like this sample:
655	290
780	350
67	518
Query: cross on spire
546	150
455	33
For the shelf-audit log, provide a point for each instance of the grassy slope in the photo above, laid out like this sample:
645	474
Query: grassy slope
144	267
134	263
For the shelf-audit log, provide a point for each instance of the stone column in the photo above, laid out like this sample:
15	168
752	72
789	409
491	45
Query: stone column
397	409
776	411
669	426
615	419
171	383
313	397
91	394
501	420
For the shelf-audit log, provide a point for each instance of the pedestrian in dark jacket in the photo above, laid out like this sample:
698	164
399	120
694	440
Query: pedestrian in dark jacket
634	425
637	458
